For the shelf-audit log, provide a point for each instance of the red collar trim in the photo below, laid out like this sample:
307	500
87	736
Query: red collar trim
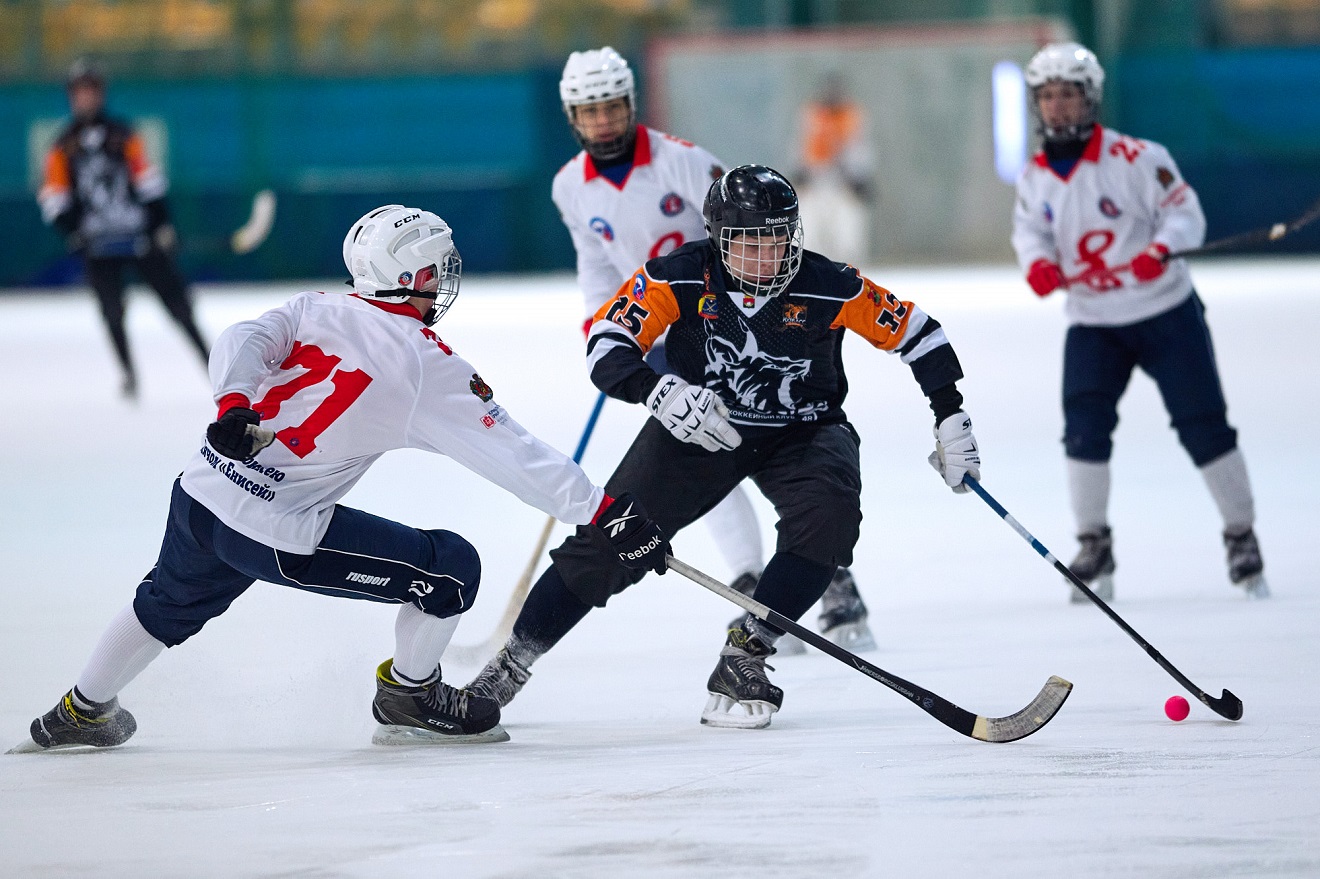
401	308
641	156
1090	154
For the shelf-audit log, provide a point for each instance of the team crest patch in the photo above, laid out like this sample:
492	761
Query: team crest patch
794	316
1108	208
716	172
601	228
1164	176
639	287
405	279
671	205
708	306
1049	213
481	389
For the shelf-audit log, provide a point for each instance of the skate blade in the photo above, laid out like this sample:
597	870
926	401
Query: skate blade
719	712
790	646
410	736
1255	587
855	637
1102	586
28	747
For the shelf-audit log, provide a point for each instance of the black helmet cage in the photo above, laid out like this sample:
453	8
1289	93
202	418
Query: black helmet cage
757	207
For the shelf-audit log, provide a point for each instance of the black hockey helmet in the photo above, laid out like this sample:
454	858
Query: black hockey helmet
752	219
85	71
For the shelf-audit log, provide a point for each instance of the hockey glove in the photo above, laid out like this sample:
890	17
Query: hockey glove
956	451
238	435
1044	277
1149	264
694	415
638	542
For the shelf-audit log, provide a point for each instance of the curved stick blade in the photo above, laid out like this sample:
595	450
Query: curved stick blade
1023	723
1227	705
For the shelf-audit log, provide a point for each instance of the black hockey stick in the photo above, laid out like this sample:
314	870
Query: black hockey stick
1255	236
988	729
1227	705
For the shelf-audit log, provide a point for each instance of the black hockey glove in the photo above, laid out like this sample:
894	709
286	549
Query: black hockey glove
238	435
638	542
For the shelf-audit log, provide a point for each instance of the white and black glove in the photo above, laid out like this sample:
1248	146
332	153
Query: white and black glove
637	540
238	435
956	451
694	415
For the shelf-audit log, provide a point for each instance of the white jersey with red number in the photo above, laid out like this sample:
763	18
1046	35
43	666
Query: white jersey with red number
617	228
342	380
1122	196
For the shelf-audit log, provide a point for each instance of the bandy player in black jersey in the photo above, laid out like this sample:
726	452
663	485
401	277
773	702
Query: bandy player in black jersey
755	333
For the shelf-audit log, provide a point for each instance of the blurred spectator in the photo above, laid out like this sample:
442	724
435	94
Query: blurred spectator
836	185
107	199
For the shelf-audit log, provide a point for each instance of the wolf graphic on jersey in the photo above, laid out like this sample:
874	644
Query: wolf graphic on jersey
752	381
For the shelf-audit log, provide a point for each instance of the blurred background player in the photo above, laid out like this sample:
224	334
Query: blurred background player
258	500
104	195
836	183
755	390
634	193
1097	214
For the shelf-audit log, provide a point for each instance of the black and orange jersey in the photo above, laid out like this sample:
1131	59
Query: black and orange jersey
772	360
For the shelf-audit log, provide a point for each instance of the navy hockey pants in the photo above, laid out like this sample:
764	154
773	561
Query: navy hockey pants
204	565
810	472
1175	350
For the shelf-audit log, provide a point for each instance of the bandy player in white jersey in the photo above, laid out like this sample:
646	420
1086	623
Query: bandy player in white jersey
632	194
310	394
1098	214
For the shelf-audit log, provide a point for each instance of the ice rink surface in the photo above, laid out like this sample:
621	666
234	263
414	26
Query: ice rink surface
253	755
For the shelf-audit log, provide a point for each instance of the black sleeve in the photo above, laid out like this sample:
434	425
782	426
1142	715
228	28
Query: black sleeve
158	213
944	402
617	367
936	368
67	222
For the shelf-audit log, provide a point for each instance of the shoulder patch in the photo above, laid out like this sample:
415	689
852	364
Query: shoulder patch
716	172
482	390
1164	176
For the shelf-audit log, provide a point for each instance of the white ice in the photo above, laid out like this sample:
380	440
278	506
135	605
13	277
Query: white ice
253	756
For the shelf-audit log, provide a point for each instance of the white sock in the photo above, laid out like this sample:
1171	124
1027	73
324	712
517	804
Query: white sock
737	533
419	641
1088	486
1226	477
124	650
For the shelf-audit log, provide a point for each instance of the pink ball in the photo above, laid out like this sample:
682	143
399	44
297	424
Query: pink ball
1177	708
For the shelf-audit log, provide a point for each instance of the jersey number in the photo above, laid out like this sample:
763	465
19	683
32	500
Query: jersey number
892	312
628	314
1127	148
348	386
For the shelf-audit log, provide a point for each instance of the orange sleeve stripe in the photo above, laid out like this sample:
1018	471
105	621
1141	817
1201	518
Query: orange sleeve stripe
57	171
644	317
135	154
876	315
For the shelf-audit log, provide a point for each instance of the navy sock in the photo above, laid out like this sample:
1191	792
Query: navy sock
548	614
791	584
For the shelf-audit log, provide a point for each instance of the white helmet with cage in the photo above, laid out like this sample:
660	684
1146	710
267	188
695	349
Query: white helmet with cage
592	77
394	253
1068	62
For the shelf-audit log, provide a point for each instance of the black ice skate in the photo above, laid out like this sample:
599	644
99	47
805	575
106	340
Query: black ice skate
68	725
785	646
432	714
1094	566
843	614
501	679
741	696
1245	566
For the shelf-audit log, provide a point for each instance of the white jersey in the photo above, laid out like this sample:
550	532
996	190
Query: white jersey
342	380
1122	196
616	228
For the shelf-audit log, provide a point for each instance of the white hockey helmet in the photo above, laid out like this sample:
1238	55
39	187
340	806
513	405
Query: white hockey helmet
395	252
1067	62
594	76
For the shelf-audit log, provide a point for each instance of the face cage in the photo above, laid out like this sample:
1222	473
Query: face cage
791	239
446	288
604	151
1081	131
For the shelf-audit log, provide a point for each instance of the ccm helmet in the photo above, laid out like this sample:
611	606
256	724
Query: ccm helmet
592	77
752	219
394	252
1067	62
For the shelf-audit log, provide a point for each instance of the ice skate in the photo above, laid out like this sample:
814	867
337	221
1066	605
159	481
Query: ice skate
1245	566
785	646
431	714
843	614
741	696
1094	566
501	679
69	725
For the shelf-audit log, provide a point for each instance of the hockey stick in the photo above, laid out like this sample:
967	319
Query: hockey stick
250	235
466	653
1227	705
1255	236
1016	726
